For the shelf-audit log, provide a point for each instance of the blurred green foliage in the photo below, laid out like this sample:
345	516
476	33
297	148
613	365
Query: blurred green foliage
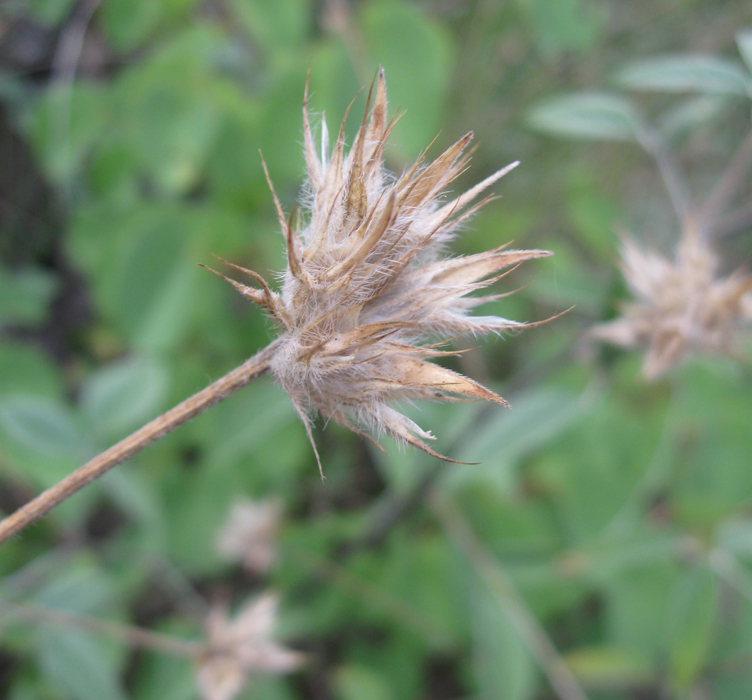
619	509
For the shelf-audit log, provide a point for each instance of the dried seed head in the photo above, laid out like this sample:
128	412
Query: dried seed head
680	305
241	646
369	280
249	535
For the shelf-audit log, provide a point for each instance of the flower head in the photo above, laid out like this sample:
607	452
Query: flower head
369	282
249	534
681	305
241	646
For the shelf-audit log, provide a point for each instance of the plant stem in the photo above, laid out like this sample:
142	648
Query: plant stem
134	636
562	680
729	184
670	171
126	448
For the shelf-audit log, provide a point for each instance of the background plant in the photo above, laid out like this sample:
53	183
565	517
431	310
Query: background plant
618	511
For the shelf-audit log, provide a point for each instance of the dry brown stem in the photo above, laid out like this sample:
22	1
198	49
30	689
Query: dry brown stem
133	636
126	448
729	185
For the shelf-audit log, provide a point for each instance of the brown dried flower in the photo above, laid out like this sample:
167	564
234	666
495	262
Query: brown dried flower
369	281
249	534
681	305
242	646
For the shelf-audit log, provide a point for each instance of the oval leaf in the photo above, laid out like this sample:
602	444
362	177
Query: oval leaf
596	116
41	424
687	74
692	621
416	54
680	121
25	296
123	395
77	664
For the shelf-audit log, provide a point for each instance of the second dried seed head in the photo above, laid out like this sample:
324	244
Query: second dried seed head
680	306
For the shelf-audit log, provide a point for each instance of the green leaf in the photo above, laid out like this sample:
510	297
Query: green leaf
744	42
50	12
81	588
77	664
416	55
421	570
503	665
128	23
25	688
160	677
562	25
268	687
594	469
360	683
65	125
25	296
123	395
693	614
152	289
26	370
608	667
637	601
687	73
734	684
169	110
137	496
591	116
735	535
42	424
680	121
274	23
715	478
40	439
508	436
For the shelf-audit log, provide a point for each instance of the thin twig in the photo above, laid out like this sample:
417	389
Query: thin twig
562	680
670	171
134	636
126	448
65	64
729	185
